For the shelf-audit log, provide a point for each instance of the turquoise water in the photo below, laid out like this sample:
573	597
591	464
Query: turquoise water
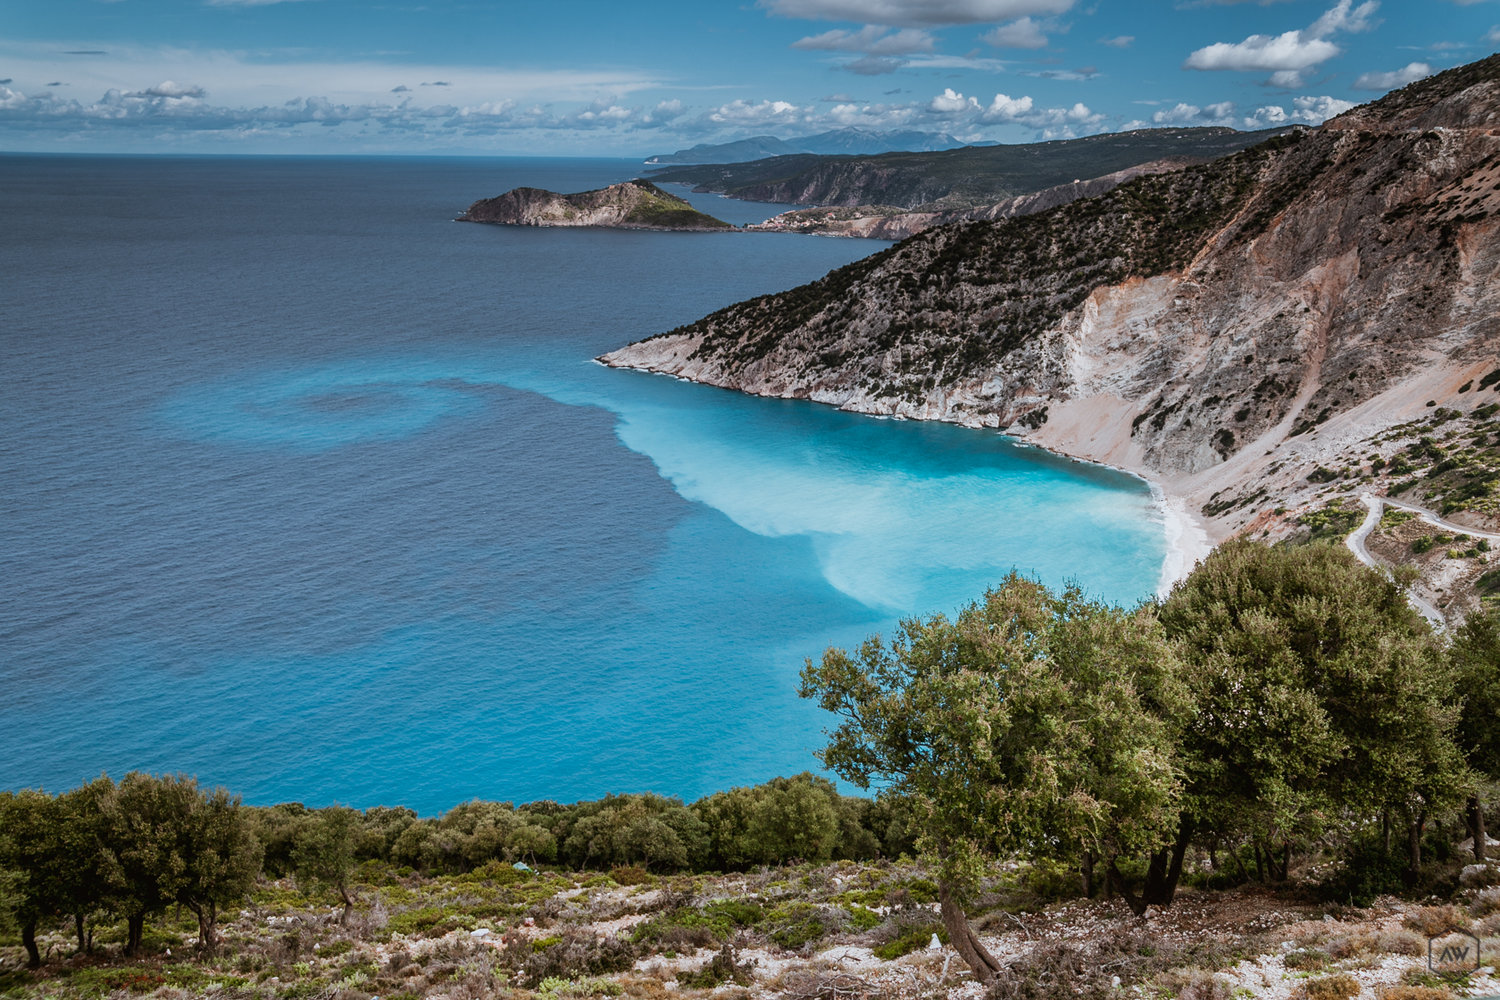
313	493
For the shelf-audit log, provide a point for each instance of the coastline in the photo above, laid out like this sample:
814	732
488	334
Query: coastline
1186	533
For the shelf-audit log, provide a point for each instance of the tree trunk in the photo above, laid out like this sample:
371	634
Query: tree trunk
208	926
135	923
348	904
1136	903
963	939
1234	856
1414	843
1161	880
78	926
1476	827
28	938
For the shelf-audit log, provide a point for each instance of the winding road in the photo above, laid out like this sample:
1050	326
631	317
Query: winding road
1376	506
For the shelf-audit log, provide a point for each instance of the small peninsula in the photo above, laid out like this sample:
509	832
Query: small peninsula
633	204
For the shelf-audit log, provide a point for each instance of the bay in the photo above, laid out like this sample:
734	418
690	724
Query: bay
314	493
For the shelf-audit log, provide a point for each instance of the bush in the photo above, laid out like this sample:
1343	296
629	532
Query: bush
631	875
1365	872
1415	993
797	924
1430	920
1340	986
574	955
1307	958
910	939
720	969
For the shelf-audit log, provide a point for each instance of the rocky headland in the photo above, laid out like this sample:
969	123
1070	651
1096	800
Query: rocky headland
1267	336
633	204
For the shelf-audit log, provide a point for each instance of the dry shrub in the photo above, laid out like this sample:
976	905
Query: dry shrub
1195	984
1485	902
1307	958
1400	943
644	987
1340	986
821	984
1431	920
1414	993
574	955
1052	970
1351	945
630	875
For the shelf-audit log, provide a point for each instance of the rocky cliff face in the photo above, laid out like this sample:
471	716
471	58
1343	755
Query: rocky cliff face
632	205
1225	328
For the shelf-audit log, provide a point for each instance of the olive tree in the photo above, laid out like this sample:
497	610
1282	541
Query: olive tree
1320	694
175	843
1035	723
31	863
1476	662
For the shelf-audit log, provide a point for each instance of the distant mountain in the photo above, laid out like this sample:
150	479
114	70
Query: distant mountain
955	178
745	150
840	142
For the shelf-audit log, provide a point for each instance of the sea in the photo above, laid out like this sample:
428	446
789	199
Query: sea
311	492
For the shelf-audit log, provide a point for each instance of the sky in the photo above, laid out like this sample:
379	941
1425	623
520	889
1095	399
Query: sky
596	78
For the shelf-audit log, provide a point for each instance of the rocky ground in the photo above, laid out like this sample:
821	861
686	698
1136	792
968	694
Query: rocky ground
835	931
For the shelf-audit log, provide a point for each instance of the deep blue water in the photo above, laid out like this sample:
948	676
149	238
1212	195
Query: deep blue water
311	492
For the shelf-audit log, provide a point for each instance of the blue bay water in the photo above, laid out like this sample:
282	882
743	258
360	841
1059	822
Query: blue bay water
311	492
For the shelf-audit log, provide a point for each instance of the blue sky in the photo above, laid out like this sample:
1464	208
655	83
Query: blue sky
580	77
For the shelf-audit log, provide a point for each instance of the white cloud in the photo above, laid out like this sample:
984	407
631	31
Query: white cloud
1304	111
1290	54
1344	16
1410	73
169	89
1120	42
950	102
872	40
756	114
1221	113
1493	35
1006	108
915	13
958	110
1022	34
236	78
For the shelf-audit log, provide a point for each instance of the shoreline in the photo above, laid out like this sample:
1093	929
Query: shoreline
1186	534
1187	538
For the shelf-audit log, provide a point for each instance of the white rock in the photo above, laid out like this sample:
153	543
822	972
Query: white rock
934	944
1474	875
